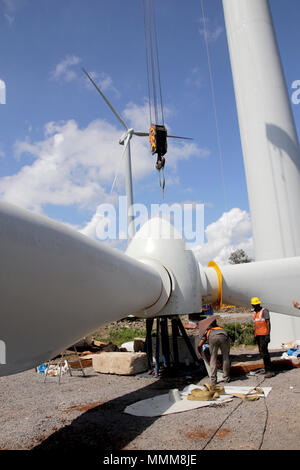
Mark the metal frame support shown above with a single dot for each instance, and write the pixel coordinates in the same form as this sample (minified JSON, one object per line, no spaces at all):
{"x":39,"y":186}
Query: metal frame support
{"x":149,"y":326}
{"x":174,"y":341}
{"x":187,"y":341}
{"x":162,"y":343}
{"x":157,"y":344}
{"x":165,"y":342}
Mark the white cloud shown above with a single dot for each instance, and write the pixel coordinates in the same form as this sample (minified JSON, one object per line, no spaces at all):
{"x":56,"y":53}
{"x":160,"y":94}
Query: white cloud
{"x":95,"y":224}
{"x":230,"y":232}
{"x":137,"y":117}
{"x":76,"y":167}
{"x":103,"y":80}
{"x":71,"y":166}
{"x":212,"y":32}
{"x":65,"y":69}
{"x":10,"y":8}
{"x":194,"y":78}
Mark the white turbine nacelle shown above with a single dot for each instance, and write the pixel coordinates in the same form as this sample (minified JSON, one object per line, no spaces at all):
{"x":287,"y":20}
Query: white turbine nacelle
{"x":124,"y":136}
{"x":158,"y":241}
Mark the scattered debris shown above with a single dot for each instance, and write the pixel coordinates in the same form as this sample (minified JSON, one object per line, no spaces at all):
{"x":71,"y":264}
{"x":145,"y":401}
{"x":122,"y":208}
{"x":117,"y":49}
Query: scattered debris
{"x":55,"y":369}
{"x":292,"y":351}
{"x":291,"y":344}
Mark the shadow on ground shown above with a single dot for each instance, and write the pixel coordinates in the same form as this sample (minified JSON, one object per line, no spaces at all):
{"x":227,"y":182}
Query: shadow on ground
{"x":104,"y":427}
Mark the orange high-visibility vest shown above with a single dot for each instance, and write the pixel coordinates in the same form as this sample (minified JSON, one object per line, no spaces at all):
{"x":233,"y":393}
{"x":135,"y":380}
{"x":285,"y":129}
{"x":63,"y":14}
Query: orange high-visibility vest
{"x":214,"y":328}
{"x":260,"y":324}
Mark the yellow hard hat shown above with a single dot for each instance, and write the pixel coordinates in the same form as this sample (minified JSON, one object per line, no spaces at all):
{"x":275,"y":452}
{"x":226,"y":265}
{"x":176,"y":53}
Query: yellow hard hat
{"x":255,"y":301}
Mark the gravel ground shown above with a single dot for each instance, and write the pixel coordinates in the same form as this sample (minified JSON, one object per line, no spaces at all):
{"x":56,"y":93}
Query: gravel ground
{"x":88,"y":412}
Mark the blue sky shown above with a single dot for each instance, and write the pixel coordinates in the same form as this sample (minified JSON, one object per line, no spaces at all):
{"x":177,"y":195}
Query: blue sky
{"x":59,"y":141}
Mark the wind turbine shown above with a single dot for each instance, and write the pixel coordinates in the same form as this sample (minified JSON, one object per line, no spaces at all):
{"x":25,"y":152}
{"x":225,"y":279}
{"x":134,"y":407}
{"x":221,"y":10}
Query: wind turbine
{"x":58,"y":285}
{"x":125,"y":140}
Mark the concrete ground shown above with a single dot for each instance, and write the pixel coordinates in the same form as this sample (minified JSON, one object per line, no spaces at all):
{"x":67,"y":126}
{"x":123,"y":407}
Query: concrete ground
{"x":87,"y":413}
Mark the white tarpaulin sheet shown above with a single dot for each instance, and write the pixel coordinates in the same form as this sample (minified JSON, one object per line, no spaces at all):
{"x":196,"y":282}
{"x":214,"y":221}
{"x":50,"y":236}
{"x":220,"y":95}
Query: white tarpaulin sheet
{"x":177,"y":402}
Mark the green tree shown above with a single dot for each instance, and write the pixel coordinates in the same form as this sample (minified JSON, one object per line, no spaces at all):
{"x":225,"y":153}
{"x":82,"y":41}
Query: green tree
{"x":239,"y":256}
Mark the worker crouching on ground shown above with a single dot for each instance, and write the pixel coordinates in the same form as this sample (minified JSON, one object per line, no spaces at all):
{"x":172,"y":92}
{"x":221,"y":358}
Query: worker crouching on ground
{"x":217,"y":338}
{"x":262,"y":329}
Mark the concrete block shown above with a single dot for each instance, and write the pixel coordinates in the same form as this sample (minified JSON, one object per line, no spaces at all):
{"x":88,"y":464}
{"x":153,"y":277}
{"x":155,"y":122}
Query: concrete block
{"x":121,"y":363}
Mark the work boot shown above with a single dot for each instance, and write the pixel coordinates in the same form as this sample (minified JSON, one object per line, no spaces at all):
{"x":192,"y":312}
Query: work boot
{"x":269,"y":374}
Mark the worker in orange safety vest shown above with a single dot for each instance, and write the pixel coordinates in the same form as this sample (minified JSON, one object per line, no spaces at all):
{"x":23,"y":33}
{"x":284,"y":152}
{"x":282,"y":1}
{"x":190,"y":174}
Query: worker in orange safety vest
{"x":217,"y":338}
{"x":262,"y":329}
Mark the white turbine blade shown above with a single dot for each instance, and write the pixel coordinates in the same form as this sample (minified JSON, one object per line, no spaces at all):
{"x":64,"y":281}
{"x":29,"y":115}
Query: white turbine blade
{"x":106,"y":100}
{"x":178,"y":137}
{"x":120,"y":161}
{"x":58,"y":285}
{"x":274,"y":282}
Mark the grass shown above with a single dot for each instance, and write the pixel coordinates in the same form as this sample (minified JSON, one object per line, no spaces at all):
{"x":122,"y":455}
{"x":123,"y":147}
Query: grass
{"x":240,"y":333}
{"x":121,"y":335}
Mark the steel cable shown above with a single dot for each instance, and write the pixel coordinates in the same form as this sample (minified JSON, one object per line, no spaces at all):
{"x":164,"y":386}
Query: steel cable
{"x":214,"y":104}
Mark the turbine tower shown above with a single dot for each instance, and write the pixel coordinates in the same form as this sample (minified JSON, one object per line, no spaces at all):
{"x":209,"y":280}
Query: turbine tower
{"x":269,"y":140}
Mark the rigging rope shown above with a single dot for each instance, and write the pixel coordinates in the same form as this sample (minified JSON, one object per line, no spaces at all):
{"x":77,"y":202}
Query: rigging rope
{"x":157,"y":61}
{"x":158,"y":133}
{"x":214,"y":104}
{"x":147,"y":62}
{"x":152,"y":64}
{"x":151,"y":43}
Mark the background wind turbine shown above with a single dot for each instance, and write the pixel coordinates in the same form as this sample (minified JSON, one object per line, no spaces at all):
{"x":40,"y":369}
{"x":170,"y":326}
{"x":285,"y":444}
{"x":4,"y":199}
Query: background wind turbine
{"x":125,"y":140}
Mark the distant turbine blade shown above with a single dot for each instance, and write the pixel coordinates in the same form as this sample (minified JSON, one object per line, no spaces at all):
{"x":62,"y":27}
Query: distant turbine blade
{"x":142,"y":134}
{"x":105,"y":99}
{"x":145,"y":134}
{"x":177,"y":137}
{"x":121,"y":159}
